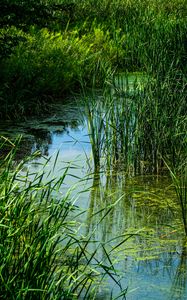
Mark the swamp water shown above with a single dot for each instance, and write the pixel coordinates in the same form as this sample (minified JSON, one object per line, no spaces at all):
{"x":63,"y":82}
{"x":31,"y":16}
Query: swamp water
{"x":137,"y":213}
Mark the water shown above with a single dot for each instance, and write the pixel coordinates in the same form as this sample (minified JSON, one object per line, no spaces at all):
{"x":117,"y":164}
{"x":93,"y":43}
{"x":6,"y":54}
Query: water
{"x":151,"y":255}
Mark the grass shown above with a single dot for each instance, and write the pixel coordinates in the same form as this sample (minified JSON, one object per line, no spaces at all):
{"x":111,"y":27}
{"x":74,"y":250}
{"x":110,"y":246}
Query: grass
{"x":137,"y":121}
{"x":40,"y":64}
{"x":42,"y":253}
{"x":130,"y":127}
{"x":179,"y":179}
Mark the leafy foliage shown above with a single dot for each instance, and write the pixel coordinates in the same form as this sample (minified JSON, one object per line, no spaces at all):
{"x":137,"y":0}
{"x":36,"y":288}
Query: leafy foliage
{"x":48,"y":47}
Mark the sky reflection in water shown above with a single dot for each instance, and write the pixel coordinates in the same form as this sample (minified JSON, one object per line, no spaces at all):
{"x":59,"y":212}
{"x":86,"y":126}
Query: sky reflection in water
{"x":153,"y":262}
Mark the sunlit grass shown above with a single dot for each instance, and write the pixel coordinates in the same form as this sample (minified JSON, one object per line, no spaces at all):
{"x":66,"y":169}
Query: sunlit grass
{"x":136,"y":123}
{"x":42,"y":253}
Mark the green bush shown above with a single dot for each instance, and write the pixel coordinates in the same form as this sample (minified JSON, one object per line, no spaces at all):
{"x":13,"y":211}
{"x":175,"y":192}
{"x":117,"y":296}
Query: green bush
{"x":100,"y":37}
{"x":48,"y":65}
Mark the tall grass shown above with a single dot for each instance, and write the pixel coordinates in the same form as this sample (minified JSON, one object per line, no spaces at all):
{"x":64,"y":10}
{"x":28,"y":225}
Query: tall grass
{"x":179,"y":179}
{"x":42,"y":253}
{"x":137,"y":126}
{"x":137,"y":123}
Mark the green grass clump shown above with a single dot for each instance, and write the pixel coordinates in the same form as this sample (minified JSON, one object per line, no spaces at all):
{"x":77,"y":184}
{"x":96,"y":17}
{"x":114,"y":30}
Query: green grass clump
{"x":42,"y":253}
{"x":138,"y":121}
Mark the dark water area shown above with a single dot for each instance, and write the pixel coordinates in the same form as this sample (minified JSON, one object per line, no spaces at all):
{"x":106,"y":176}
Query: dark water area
{"x":138,"y":213}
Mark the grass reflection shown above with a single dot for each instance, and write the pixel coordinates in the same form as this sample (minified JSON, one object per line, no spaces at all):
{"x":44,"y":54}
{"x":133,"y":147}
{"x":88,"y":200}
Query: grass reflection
{"x":141,"y":230}
{"x":179,"y":280}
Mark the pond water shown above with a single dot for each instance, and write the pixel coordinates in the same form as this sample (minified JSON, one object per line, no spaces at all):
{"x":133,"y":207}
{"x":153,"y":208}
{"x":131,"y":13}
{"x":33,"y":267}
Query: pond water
{"x":151,"y":256}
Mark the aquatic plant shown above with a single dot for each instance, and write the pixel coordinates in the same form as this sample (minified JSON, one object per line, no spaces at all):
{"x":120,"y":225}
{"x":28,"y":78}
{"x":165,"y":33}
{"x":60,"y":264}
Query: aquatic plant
{"x":179,"y":178}
{"x":42,"y":253}
{"x":130,"y":125}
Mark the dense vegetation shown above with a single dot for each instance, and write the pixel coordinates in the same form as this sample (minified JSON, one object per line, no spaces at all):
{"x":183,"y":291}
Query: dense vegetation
{"x":50,"y":49}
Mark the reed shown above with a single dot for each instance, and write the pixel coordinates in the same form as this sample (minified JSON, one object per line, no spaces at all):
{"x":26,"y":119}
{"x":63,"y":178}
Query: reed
{"x":138,"y":121}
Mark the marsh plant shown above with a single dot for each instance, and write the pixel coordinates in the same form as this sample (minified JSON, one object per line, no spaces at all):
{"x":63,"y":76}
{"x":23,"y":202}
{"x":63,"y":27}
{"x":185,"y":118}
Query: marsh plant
{"x":179,"y":179}
{"x":42,"y":253}
{"x":135,"y":123}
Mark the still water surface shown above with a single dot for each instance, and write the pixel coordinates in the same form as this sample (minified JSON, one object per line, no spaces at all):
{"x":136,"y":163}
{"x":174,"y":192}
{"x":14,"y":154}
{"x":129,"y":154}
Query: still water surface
{"x":153,"y":259}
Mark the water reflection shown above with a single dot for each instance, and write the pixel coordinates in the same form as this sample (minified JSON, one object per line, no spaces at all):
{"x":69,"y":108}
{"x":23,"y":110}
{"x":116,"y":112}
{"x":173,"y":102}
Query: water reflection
{"x":148,"y":252}
{"x":179,"y":280}
{"x":140,"y":211}
{"x":39,"y":134}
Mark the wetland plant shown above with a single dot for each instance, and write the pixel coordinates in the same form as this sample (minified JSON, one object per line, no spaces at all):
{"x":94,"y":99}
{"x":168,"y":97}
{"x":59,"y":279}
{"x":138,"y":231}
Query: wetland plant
{"x":179,"y":179}
{"x":137,"y":121}
{"x":42,"y":253}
